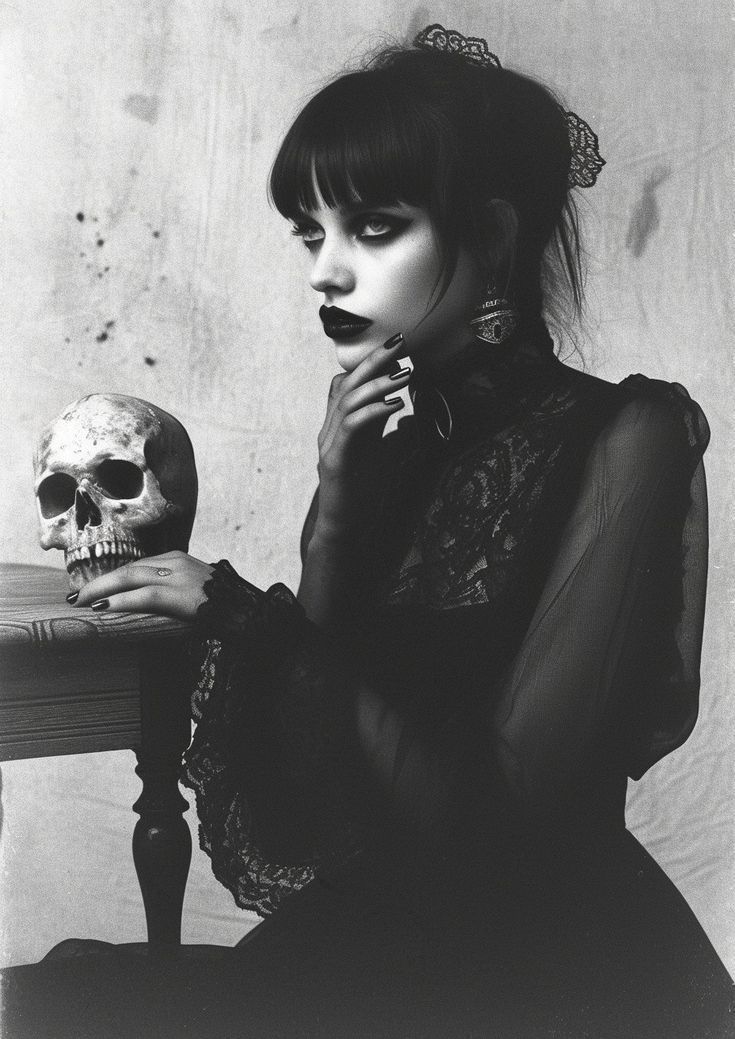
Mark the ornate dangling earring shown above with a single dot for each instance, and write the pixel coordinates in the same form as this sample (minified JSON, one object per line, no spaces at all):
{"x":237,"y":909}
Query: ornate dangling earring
{"x":496,"y":319}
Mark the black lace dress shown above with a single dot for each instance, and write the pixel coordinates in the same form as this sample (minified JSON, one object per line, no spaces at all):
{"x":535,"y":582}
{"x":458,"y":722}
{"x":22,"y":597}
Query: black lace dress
{"x":429,"y":807}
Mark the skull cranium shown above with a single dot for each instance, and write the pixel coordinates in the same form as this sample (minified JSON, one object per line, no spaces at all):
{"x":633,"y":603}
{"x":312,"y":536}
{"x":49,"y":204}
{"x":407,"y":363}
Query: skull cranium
{"x":115,"y":480}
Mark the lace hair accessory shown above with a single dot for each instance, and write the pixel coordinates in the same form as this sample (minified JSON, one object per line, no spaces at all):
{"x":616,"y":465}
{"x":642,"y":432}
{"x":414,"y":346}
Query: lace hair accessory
{"x":586,"y":161}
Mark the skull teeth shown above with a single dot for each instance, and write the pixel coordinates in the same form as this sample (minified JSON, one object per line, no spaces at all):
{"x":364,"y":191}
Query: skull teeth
{"x":124,"y":550}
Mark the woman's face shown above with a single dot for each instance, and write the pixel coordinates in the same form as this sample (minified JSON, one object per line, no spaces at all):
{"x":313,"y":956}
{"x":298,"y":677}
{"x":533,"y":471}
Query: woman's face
{"x":378,"y":268}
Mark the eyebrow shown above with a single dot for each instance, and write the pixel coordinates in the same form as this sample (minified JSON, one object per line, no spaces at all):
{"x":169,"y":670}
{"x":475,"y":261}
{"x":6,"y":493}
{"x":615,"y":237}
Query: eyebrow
{"x":354,"y":208}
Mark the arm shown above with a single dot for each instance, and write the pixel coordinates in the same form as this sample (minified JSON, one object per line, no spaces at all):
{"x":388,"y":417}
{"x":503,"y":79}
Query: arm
{"x":324,"y":590}
{"x":607,"y":672}
{"x":611,"y":657}
{"x":358,"y":407}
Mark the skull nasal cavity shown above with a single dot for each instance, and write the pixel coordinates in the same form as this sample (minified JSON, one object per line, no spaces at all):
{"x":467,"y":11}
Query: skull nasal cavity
{"x":87,"y":512}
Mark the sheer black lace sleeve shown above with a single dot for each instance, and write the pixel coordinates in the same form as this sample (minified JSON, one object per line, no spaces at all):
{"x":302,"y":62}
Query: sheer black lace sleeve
{"x":609,"y":667}
{"x":271,"y":727}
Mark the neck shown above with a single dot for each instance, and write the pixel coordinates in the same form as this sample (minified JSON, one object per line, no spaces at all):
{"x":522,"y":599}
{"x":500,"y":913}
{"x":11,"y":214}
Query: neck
{"x":530,"y":330}
{"x":433,"y":356}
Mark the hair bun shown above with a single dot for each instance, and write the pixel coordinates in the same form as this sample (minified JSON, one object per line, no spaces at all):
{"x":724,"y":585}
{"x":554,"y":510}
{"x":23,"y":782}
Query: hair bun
{"x":585,"y":162}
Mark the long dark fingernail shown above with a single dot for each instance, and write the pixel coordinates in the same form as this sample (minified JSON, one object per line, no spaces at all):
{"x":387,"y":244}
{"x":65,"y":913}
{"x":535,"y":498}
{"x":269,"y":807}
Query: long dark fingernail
{"x":72,"y":598}
{"x":394,"y":341}
{"x":100,"y":605}
{"x":392,"y":400}
{"x":399,"y":374}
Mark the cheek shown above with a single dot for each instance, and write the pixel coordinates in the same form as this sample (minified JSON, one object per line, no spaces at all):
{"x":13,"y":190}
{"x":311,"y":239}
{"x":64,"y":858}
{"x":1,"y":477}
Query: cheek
{"x":410,"y":281}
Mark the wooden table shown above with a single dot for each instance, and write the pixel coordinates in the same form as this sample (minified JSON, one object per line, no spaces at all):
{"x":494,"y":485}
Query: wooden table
{"x":74,"y":682}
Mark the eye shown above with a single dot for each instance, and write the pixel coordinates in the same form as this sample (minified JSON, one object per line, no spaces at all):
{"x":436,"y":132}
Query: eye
{"x":310,"y":234}
{"x":56,"y":494}
{"x":380,"y":225}
{"x":377,"y":226}
{"x":117,"y":478}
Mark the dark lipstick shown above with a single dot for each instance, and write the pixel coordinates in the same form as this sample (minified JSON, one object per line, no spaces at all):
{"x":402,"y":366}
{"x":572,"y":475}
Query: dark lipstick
{"x":341,"y":324}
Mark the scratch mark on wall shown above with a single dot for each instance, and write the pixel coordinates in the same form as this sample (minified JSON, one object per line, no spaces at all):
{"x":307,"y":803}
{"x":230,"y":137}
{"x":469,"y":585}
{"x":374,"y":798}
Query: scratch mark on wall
{"x":645,"y":218}
{"x":142,"y":106}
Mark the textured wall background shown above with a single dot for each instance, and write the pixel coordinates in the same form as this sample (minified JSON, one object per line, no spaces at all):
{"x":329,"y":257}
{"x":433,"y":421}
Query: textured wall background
{"x":139,"y":256}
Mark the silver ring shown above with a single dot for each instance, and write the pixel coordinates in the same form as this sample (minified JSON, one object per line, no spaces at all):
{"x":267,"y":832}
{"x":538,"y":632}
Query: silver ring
{"x":163,"y":572}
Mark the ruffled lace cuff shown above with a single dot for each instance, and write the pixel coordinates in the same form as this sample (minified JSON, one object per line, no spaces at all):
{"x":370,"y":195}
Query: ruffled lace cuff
{"x":235,"y":608}
{"x":265,"y":758}
{"x":238,"y":616}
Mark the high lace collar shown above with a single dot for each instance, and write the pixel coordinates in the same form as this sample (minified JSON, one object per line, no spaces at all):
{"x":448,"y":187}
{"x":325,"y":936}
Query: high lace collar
{"x":480,"y":388}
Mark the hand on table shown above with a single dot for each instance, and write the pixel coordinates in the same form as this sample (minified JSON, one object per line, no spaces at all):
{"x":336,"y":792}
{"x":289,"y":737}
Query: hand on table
{"x":171,"y":584}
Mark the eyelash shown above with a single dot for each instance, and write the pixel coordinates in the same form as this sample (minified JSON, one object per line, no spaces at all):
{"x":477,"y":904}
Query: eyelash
{"x":394,"y":225}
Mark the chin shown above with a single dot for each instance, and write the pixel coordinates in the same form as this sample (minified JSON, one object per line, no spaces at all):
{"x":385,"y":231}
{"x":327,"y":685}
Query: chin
{"x":350,"y":355}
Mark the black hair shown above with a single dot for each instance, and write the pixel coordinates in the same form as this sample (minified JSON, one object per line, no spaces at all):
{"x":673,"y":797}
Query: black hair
{"x":430,"y":128}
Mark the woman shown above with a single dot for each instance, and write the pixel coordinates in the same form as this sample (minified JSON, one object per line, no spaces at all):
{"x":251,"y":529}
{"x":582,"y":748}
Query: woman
{"x":417,"y":767}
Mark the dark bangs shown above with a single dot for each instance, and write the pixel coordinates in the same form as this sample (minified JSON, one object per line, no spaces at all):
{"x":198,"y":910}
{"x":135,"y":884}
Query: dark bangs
{"x":356,"y":143}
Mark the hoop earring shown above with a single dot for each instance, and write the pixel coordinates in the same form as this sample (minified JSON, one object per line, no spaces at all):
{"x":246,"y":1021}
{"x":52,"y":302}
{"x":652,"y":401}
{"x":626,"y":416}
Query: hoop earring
{"x":496,"y":319}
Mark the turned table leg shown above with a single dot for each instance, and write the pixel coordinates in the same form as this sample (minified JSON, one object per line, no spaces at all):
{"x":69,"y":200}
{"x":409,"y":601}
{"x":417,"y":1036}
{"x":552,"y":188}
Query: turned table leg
{"x":161,"y":840}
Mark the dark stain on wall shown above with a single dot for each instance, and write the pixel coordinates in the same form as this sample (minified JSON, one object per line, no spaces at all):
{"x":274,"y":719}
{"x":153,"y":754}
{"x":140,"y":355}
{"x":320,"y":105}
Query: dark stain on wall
{"x":646,"y":217}
{"x":142,"y":106}
{"x":104,"y":335}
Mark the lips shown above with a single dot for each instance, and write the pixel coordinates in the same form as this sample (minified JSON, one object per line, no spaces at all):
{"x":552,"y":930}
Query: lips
{"x":341,"y":324}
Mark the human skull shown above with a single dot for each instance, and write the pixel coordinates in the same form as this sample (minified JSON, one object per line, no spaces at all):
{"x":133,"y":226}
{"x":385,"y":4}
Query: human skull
{"x":115,"y":480}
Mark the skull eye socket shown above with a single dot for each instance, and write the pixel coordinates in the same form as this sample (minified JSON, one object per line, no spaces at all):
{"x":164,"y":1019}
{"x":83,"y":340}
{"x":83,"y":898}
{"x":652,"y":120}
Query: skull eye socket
{"x":117,"y":478}
{"x":56,"y":494}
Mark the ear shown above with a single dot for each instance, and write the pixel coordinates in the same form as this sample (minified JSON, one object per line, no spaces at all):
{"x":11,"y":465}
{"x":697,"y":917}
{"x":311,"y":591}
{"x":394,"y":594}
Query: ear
{"x":501,"y":237}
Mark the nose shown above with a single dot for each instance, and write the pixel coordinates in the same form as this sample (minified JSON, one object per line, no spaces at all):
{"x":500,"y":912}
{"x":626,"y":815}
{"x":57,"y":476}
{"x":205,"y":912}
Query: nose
{"x":86,"y":511}
{"x":331,"y":269}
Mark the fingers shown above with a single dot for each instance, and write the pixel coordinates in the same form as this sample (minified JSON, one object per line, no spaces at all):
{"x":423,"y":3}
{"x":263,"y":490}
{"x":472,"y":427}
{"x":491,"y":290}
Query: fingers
{"x":171,"y":583}
{"x":376,"y":362}
{"x":369,"y":382}
{"x":171,"y":600}
{"x":364,"y":417}
{"x":375,"y":390}
{"x":131,"y":575}
{"x":146,"y":599}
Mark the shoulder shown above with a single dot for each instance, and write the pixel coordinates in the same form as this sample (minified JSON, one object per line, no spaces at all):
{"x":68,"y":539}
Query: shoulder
{"x":640,"y":406}
{"x":667,"y":405}
{"x":656,"y":417}
{"x":655,"y":428}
